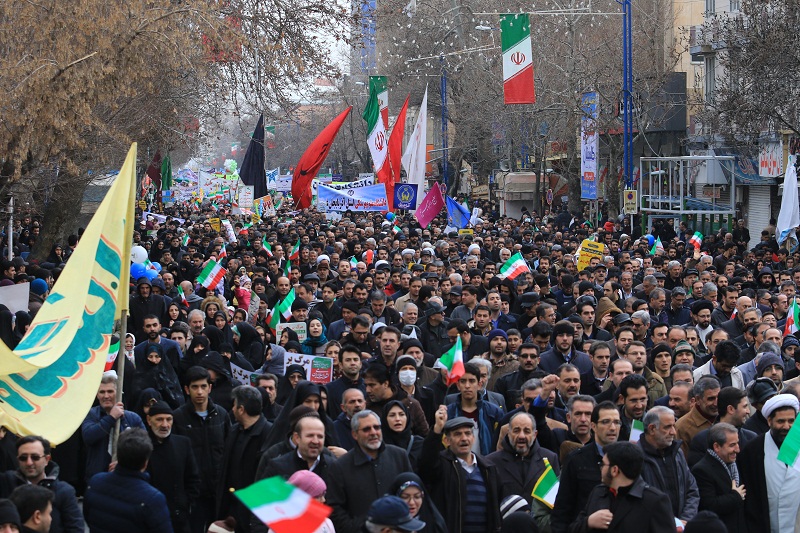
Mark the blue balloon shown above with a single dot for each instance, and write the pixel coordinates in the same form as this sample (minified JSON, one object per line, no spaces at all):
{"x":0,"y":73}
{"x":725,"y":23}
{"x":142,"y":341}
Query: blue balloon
{"x":151,"y":274}
{"x":157,"y":266}
{"x":390,"y":216}
{"x":650,"y":239}
{"x":137,"y":270}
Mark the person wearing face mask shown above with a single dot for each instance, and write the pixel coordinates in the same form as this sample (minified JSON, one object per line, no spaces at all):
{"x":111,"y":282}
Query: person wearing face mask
{"x":409,"y":379}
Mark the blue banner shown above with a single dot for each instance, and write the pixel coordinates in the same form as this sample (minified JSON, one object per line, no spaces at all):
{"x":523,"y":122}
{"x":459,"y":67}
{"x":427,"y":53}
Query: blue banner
{"x":457,"y":215}
{"x":370,"y":198}
{"x":405,"y":196}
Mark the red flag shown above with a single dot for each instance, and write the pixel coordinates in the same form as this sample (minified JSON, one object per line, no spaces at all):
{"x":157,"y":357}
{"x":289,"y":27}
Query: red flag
{"x":154,"y":170}
{"x":395,"y":152}
{"x":312,"y":159}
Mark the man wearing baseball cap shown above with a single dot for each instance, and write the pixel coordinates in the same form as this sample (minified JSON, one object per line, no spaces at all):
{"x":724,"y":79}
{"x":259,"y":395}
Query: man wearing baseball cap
{"x":389,"y":514}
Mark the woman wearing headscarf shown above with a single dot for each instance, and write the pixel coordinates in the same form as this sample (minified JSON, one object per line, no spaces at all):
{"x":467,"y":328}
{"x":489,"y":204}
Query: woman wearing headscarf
{"x":7,"y":326}
{"x":222,"y":323}
{"x":288,"y":335}
{"x":147,"y":397}
{"x":197,"y":351}
{"x":409,"y":487}
{"x":22,"y":321}
{"x":248,"y":342}
{"x":306,"y":393}
{"x":216,"y":337}
{"x":291,"y":377}
{"x":175,"y":313}
{"x":397,"y":430}
{"x":56,"y":255}
{"x":155,"y":371}
{"x":315,"y":337}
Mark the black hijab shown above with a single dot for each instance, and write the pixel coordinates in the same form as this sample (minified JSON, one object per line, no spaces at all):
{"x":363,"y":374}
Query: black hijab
{"x":428,"y":513}
{"x":280,"y":431}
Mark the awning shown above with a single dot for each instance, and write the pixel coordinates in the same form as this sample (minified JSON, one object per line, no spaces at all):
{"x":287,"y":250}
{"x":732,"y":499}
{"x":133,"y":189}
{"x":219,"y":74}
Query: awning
{"x":745,"y":169}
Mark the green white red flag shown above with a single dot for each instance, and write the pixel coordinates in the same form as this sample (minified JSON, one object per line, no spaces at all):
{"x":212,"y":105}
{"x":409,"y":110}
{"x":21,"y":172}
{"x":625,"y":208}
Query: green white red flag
{"x":185,"y":239}
{"x":696,"y":240}
{"x":637,"y":430}
{"x":792,"y":319}
{"x":515,"y":266}
{"x":377,"y":140}
{"x":658,"y":246}
{"x":281,"y":309}
{"x":267,"y":247}
{"x":453,"y":362}
{"x":295,"y":253}
{"x":184,"y":301}
{"x":113,"y":351}
{"x":382,"y":90}
{"x":283,"y":507}
{"x":546,"y":487}
{"x":211,"y":275}
{"x":515,"y":32}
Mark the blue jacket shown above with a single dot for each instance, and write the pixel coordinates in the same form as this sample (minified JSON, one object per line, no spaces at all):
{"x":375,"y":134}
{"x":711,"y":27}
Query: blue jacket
{"x":489,"y":415}
{"x":67,"y":517}
{"x":96,"y":429}
{"x":123,"y":501}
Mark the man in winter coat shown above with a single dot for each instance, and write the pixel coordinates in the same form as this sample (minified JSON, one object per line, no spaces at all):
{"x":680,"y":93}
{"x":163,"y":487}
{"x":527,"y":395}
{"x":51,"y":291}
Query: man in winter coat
{"x":36,"y":468}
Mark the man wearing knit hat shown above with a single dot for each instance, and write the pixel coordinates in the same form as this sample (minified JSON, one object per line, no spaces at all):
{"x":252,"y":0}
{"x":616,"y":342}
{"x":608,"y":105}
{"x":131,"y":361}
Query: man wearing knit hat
{"x":9,"y":517}
{"x":773,"y":487}
{"x":172,"y":466}
{"x":502,"y":363}
{"x":563,"y":351}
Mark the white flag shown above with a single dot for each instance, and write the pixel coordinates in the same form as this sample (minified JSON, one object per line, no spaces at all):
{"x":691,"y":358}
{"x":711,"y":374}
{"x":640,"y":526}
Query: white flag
{"x":414,"y":157}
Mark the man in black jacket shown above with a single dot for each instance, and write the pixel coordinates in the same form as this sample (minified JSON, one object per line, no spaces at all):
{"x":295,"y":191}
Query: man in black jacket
{"x":363,"y":474}
{"x":464,"y":485}
{"x":243,"y":449}
{"x":510,"y":384}
{"x":637,"y":507}
{"x":172,"y":466}
{"x":718,"y":478}
{"x":206,"y":425}
{"x":580,"y":473}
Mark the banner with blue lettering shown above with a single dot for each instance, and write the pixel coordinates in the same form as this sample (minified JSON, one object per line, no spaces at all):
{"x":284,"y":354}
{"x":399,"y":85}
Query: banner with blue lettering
{"x":370,"y":198}
{"x":405,"y":196}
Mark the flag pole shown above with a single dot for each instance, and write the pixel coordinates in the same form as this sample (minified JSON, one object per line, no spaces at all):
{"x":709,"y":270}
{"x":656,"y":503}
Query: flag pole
{"x":123,"y":331}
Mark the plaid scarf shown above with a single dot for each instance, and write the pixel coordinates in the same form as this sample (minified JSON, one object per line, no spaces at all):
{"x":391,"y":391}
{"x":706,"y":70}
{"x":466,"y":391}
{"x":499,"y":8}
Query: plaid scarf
{"x":732,"y":469}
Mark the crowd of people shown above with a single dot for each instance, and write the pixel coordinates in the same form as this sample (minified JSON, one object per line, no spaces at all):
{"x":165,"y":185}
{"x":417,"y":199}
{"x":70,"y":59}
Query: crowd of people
{"x":658,"y":387}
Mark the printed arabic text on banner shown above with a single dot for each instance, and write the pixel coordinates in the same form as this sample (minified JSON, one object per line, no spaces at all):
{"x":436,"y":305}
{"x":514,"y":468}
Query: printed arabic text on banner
{"x":371,"y":198}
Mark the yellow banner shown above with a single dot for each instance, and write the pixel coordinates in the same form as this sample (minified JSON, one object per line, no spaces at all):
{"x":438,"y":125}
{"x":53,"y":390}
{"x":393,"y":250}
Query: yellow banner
{"x":589,"y":249}
{"x":48,"y":384}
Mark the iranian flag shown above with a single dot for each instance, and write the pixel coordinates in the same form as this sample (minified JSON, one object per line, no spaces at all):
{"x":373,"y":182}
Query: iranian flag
{"x":382,"y":90}
{"x":637,"y":430}
{"x":295,"y":253}
{"x":790,"y":449}
{"x":453,"y":362}
{"x":282,"y":309}
{"x":185,"y":240}
{"x":283,"y":507}
{"x":546,"y":487}
{"x":223,"y":253}
{"x":792,"y":319}
{"x":376,"y":130}
{"x":515,"y":266}
{"x":184,"y":301}
{"x":113,"y":351}
{"x":149,"y":265}
{"x":657,"y":247}
{"x":353,"y":262}
{"x":266,"y":246}
{"x":211,"y":275}
{"x":515,"y":31}
{"x":696,"y":240}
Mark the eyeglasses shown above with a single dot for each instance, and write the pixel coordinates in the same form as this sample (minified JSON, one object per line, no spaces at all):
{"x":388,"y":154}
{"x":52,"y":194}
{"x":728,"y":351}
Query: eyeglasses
{"x":33,"y":457}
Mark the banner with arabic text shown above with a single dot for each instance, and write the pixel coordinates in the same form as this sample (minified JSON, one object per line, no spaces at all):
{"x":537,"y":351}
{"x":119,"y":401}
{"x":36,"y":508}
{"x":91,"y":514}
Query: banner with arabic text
{"x":370,"y":198}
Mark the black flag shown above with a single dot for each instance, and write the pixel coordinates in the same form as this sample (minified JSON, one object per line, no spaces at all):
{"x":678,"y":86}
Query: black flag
{"x":252,"y":171}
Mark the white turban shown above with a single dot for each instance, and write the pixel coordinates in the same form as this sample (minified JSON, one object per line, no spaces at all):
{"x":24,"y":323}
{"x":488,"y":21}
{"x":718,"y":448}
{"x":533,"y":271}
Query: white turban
{"x":779,"y":401}
{"x":407,"y":251}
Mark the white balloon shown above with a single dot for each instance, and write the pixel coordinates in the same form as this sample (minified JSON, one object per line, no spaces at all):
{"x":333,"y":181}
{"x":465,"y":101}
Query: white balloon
{"x":138,"y":254}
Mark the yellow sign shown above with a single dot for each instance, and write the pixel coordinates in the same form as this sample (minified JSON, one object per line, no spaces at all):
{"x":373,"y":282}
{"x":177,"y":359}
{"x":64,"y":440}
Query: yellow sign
{"x":215,"y":223}
{"x":631,"y":203}
{"x":466,"y":232}
{"x":588,"y":250}
{"x":142,"y":205}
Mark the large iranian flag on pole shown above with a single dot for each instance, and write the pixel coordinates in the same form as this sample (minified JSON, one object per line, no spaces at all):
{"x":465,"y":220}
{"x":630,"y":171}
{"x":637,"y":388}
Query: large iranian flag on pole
{"x":515,"y":30}
{"x":515,"y":266}
{"x":283,"y":507}
{"x":453,"y":362}
{"x":376,"y":130}
{"x":381,"y":88}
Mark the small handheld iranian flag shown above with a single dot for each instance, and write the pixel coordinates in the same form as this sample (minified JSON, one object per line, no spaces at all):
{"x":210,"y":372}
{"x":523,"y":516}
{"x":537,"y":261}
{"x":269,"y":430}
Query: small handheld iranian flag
{"x":211,"y":275}
{"x":184,"y":301}
{"x":515,"y":266}
{"x":283,"y":507}
{"x":376,"y":130}
{"x":637,"y":430}
{"x":792,"y":319}
{"x":546,"y":487}
{"x":515,"y":32}
{"x":353,"y":262}
{"x":149,"y":265}
{"x":696,"y":240}
{"x":185,"y":240}
{"x":453,"y":362}
{"x":282,"y":309}
{"x":113,"y":351}
{"x":790,"y":449}
{"x":295,"y":253}
{"x":657,"y":247}
{"x":223,"y":253}
{"x":267,"y":247}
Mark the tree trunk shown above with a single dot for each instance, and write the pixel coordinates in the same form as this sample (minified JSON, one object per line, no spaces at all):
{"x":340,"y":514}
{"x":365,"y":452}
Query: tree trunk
{"x":612,"y":181}
{"x":61,"y":215}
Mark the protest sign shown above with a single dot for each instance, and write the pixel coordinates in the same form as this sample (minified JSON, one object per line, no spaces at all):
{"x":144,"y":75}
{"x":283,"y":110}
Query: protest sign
{"x":369,"y":198}
{"x":15,"y":297}
{"x":589,"y":249}
{"x":243,"y":376}
{"x":297,"y":327}
{"x":319,"y":369}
